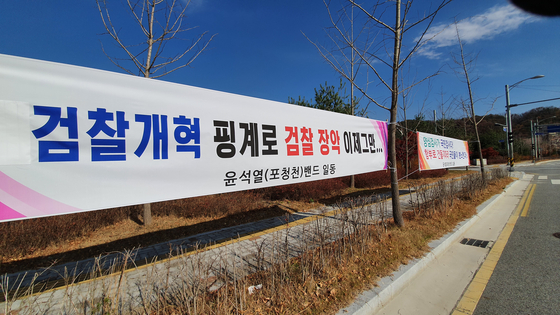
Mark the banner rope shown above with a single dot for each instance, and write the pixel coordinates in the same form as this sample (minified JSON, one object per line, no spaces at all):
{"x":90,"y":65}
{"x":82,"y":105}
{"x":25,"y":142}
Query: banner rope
{"x":409,"y":174}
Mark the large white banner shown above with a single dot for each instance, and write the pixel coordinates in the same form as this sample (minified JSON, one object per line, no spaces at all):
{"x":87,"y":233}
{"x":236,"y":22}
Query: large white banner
{"x":436,"y":152}
{"x":75,"y":139}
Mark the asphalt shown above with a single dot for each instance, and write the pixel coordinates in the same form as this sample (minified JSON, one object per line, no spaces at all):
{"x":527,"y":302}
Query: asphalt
{"x":526,"y":277}
{"x":444,"y":272}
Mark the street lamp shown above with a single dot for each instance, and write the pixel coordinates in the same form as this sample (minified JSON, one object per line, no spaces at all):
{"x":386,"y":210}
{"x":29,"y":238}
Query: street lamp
{"x":508,"y":122}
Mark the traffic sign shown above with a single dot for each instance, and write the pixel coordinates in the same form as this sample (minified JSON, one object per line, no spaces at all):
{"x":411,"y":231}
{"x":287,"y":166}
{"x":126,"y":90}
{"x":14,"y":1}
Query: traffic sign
{"x":553,"y":128}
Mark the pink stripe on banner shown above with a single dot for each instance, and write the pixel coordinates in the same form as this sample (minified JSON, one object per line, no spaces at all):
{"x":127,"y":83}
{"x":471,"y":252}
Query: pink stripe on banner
{"x":43,"y":204}
{"x":7,"y":213}
{"x":382,"y":126}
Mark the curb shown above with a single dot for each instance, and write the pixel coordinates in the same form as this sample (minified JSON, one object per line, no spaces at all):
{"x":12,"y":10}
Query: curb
{"x":372,"y":300}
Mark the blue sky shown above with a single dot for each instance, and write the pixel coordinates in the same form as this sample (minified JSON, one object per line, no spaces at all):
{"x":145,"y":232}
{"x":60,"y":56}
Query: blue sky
{"x":259,"y":49}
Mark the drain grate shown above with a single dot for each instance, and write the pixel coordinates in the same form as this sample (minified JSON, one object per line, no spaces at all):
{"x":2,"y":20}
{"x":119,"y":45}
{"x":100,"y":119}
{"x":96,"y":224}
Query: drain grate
{"x":475,"y":242}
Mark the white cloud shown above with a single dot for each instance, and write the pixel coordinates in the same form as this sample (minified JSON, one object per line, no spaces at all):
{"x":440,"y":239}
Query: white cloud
{"x":194,"y":5}
{"x":484,"y":26}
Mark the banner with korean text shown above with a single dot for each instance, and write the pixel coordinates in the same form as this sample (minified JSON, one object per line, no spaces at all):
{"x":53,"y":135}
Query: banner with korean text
{"x":75,"y":139}
{"x":436,"y":152}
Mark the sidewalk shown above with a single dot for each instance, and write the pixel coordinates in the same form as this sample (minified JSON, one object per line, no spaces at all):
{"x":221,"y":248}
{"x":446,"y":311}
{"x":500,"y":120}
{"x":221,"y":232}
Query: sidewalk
{"x":435,"y":283}
{"x":235,"y":251}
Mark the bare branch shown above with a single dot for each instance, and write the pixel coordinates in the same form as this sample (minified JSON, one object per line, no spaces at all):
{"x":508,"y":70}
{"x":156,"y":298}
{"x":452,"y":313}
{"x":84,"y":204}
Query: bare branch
{"x":488,"y":111}
{"x":114,"y":61}
{"x":350,"y":43}
{"x":421,"y":81}
{"x":372,"y":17}
{"x":160,"y":21}
{"x":341,"y":71}
{"x":370,"y":54}
{"x":465,"y":70}
{"x":430,"y":16}
{"x":139,"y":19}
{"x":177,"y":58}
{"x":421,"y":41}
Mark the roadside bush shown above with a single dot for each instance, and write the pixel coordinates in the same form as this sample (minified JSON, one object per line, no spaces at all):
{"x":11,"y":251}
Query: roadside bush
{"x":21,"y":237}
{"x":18,"y":238}
{"x":440,"y":196}
{"x":498,"y":159}
{"x":373,"y":179}
{"x":306,"y":191}
{"x":429,"y":174}
{"x":519,"y":158}
{"x":210,"y":206}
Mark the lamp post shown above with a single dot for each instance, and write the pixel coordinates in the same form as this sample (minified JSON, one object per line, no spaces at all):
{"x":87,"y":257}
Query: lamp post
{"x":508,"y":122}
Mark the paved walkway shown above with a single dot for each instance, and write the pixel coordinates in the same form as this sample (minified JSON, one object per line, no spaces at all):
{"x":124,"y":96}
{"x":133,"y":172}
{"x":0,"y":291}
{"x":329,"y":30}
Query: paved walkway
{"x":233,"y":252}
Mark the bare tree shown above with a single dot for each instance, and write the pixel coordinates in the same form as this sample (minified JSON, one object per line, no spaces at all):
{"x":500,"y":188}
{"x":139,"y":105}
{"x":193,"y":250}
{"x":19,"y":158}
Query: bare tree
{"x":465,"y":66}
{"x":385,"y":51}
{"x":160,"y":22}
{"x":407,"y":101}
{"x":342,"y":54}
{"x":447,"y":109}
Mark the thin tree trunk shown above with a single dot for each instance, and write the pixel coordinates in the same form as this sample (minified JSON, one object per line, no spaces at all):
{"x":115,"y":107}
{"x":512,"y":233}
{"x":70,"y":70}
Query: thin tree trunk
{"x":148,"y":207}
{"x":352,"y":181}
{"x":406,"y":168}
{"x":147,"y":214}
{"x":368,"y":57}
{"x":147,"y":70}
{"x":478,"y":145}
{"x":397,"y":212}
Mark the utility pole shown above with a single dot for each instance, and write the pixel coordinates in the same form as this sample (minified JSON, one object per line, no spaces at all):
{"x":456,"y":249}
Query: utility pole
{"x":509,"y":131}
{"x":508,"y":116}
{"x":537,"y":127}
{"x":532,"y":142}
{"x":537,"y":133}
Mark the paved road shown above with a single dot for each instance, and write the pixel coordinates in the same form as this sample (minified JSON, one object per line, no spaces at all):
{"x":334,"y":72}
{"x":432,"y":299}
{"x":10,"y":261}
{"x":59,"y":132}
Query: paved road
{"x":527,"y":277}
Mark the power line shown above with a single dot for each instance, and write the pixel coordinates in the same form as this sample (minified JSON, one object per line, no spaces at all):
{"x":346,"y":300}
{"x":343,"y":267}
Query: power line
{"x":536,"y":89}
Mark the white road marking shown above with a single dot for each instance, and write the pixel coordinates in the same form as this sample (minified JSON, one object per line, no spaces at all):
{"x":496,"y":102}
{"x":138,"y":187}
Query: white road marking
{"x":543,"y":177}
{"x":555,"y":181}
